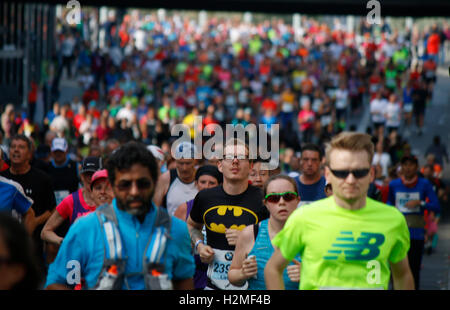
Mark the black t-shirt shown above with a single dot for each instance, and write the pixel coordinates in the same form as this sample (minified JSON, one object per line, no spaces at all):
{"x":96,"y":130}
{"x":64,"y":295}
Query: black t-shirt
{"x":65,"y":181}
{"x":38,"y":186}
{"x":64,"y":177}
{"x":219,"y":211}
{"x":419,"y":97}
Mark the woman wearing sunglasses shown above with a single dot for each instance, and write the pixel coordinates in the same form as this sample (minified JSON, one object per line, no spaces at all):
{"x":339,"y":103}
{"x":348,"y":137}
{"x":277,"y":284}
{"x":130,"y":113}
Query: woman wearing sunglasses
{"x":254,"y":247}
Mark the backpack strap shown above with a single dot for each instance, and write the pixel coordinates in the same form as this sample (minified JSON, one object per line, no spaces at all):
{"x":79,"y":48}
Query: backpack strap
{"x":112,"y":251}
{"x":156,"y":245}
{"x":110,"y":226}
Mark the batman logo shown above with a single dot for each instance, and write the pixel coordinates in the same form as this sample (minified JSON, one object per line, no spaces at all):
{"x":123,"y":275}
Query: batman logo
{"x":220,"y":218}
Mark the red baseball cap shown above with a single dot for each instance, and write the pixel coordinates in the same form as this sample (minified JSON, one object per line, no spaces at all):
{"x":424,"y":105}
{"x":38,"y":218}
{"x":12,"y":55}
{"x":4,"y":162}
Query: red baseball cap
{"x":100,"y":174}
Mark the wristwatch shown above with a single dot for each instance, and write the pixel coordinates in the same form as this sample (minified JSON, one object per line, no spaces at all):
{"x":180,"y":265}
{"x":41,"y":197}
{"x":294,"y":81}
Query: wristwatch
{"x":196,"y":244}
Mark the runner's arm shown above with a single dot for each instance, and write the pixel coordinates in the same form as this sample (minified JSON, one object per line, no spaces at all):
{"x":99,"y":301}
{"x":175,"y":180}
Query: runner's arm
{"x":29,"y":220}
{"x":48,"y":232}
{"x":273,"y":272}
{"x":58,"y":287}
{"x":205,"y":252}
{"x":41,"y":219}
{"x":195,"y":230}
{"x":186,"y":284}
{"x":161,"y":188}
{"x":242,"y":269}
{"x":402,"y":276}
{"x":433,"y":202}
{"x":180,"y":212}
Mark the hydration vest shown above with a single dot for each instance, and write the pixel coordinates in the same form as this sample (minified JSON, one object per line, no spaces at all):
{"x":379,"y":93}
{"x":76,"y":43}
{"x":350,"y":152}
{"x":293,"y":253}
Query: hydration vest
{"x":154,"y":254}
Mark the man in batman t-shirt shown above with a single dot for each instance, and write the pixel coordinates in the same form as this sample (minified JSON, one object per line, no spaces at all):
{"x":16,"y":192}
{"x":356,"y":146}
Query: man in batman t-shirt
{"x":224,"y":211}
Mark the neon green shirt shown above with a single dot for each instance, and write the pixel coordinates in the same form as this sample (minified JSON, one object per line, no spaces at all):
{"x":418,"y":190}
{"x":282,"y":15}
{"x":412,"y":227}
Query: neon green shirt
{"x":344,"y":249}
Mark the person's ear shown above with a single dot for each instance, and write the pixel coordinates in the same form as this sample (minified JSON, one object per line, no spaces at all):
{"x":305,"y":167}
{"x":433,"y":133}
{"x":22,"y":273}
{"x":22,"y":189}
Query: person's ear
{"x":372,"y":174}
{"x":327,"y":174}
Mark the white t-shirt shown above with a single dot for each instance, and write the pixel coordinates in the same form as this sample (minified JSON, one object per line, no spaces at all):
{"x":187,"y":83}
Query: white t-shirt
{"x":384,"y":159}
{"x":67,"y":47}
{"x":341,"y":98}
{"x":125,"y":113}
{"x":59,"y":124}
{"x":393,"y":114}
{"x":377,"y":110}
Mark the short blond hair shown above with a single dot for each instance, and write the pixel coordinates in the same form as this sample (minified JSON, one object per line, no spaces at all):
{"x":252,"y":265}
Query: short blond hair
{"x":350,"y":141}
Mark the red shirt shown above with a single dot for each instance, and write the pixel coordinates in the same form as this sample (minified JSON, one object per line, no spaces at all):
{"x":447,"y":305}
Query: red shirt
{"x":116,"y":92}
{"x":433,"y":44}
{"x":32,"y":96}
{"x":269,"y":104}
{"x":95,"y":113}
{"x":102,"y":132}
{"x":307,"y":118}
{"x":90,"y":95}
{"x":78,"y":120}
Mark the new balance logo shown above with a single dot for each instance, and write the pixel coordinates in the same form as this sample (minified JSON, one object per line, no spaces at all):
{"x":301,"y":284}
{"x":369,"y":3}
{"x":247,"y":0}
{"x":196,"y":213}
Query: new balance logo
{"x":366,"y":247}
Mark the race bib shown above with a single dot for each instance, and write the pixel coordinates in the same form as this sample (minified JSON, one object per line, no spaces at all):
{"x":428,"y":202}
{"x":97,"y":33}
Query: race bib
{"x":218,"y":270}
{"x":60,"y":195}
{"x":325,"y":120}
{"x":402,"y":198}
{"x":287,"y":107}
{"x":408,"y":107}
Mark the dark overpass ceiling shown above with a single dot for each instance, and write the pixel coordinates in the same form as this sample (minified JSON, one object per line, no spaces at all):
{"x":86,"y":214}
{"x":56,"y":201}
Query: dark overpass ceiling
{"x":418,"y":8}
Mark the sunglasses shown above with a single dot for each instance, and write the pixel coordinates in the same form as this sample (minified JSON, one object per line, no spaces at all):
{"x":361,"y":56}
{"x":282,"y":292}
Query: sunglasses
{"x":357,"y":173}
{"x":230,"y":157}
{"x":141,"y":184}
{"x":275,"y":197}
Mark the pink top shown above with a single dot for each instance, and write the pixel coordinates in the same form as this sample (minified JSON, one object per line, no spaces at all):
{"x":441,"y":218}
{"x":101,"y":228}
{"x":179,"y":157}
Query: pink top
{"x":65,"y":208}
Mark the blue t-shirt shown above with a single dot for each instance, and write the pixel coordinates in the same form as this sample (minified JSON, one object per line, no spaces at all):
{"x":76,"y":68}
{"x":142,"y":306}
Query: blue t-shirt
{"x":13,"y":197}
{"x":311,"y":193}
{"x":399,"y":194}
{"x":84,"y":245}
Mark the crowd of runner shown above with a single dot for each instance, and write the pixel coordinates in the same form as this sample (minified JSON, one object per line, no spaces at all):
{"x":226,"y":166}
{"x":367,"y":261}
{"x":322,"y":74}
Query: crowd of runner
{"x":155,"y":74}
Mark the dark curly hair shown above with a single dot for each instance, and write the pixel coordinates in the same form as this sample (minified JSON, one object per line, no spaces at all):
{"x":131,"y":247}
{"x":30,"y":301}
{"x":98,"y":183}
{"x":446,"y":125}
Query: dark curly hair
{"x":129,"y":154}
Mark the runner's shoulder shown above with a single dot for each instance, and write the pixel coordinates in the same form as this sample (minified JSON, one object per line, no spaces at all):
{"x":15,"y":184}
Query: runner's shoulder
{"x":395,"y":182}
{"x":208,"y":192}
{"x":317,"y":206}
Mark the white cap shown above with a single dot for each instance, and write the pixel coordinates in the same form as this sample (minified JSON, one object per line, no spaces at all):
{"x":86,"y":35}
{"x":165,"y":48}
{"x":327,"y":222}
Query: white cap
{"x":59,"y":144}
{"x":185,"y":150}
{"x":156,"y":151}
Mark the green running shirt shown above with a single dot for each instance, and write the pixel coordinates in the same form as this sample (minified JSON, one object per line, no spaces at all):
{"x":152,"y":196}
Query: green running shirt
{"x":344,"y":249}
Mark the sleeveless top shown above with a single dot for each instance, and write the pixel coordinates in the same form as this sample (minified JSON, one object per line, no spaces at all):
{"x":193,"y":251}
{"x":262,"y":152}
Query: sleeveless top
{"x":78,"y":209}
{"x":263,"y":250}
{"x":178,"y":193}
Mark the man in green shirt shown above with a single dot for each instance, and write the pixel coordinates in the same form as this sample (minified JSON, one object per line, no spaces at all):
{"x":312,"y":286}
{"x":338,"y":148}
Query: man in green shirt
{"x":346,"y":241}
